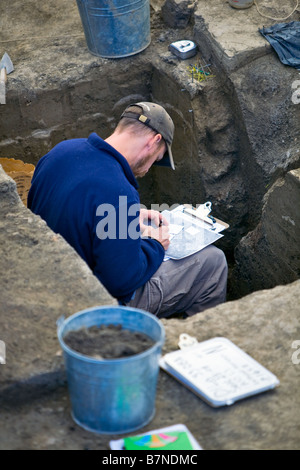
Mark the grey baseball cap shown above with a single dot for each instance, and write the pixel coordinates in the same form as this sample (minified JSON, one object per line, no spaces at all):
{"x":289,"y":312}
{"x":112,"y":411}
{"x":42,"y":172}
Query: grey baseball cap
{"x":156,"y":117}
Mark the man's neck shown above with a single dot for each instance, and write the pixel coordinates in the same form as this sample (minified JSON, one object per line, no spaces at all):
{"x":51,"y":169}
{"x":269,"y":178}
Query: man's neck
{"x":127,"y":145}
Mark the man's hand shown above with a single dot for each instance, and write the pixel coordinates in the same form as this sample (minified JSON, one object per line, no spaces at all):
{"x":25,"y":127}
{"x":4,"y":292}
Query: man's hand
{"x":156,"y":218}
{"x":159,"y":229}
{"x":160,"y":234}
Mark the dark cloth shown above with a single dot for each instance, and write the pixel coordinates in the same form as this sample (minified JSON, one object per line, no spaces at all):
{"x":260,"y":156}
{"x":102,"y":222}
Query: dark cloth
{"x":285,"y":39}
{"x":84,"y":188}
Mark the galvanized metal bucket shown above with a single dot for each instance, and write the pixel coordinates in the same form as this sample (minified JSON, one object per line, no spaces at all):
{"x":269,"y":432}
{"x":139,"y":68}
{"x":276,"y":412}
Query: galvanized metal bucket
{"x":113,"y":396}
{"x":115,"y":28}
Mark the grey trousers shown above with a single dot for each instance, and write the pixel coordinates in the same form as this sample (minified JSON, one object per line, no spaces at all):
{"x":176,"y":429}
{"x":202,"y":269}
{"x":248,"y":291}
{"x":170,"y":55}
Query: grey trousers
{"x":188,"y":285}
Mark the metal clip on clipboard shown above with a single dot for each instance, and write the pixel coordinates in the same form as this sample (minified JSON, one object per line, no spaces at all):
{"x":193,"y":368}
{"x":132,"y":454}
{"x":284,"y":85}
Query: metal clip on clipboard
{"x":202,"y":212}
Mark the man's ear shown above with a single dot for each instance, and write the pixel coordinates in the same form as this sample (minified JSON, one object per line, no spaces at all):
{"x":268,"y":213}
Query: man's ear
{"x":158,"y":138}
{"x":153,"y":140}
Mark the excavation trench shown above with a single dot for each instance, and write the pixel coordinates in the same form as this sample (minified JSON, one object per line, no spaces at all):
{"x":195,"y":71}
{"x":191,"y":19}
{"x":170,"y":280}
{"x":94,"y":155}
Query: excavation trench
{"x":211,"y":147}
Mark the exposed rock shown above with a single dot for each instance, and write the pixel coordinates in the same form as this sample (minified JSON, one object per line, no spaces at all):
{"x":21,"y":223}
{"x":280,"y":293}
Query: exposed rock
{"x":270,"y":254}
{"x":177,"y":13}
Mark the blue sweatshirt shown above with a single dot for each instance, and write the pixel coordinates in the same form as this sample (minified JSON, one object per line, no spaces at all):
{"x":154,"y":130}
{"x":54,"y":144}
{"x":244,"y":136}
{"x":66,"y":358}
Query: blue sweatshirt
{"x":85,"y":190}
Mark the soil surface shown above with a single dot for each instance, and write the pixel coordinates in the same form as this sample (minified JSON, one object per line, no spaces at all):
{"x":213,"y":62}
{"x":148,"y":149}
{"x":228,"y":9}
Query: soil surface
{"x":108,"y":341}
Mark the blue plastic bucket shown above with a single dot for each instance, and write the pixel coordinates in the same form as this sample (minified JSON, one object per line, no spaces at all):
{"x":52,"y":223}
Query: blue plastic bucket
{"x":115,"y":28}
{"x":113,"y":396}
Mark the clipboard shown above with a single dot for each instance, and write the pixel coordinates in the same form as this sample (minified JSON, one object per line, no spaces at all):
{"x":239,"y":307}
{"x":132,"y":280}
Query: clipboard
{"x":218,"y":371}
{"x":192,"y":229}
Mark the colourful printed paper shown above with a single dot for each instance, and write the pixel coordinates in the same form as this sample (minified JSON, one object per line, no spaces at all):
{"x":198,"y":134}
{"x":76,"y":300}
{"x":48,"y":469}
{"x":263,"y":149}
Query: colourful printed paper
{"x":159,"y":441}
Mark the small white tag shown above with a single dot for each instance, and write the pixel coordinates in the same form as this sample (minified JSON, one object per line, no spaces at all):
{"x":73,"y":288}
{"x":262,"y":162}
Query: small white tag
{"x":185,"y":341}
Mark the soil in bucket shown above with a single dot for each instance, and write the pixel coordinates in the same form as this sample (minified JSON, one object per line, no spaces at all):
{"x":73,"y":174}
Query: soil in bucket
{"x":107,"y":342}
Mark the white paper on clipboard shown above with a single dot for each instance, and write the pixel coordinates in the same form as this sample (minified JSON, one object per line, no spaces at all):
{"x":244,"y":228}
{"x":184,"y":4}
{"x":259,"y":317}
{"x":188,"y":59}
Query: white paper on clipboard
{"x":189,"y":234}
{"x":218,"y":371}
